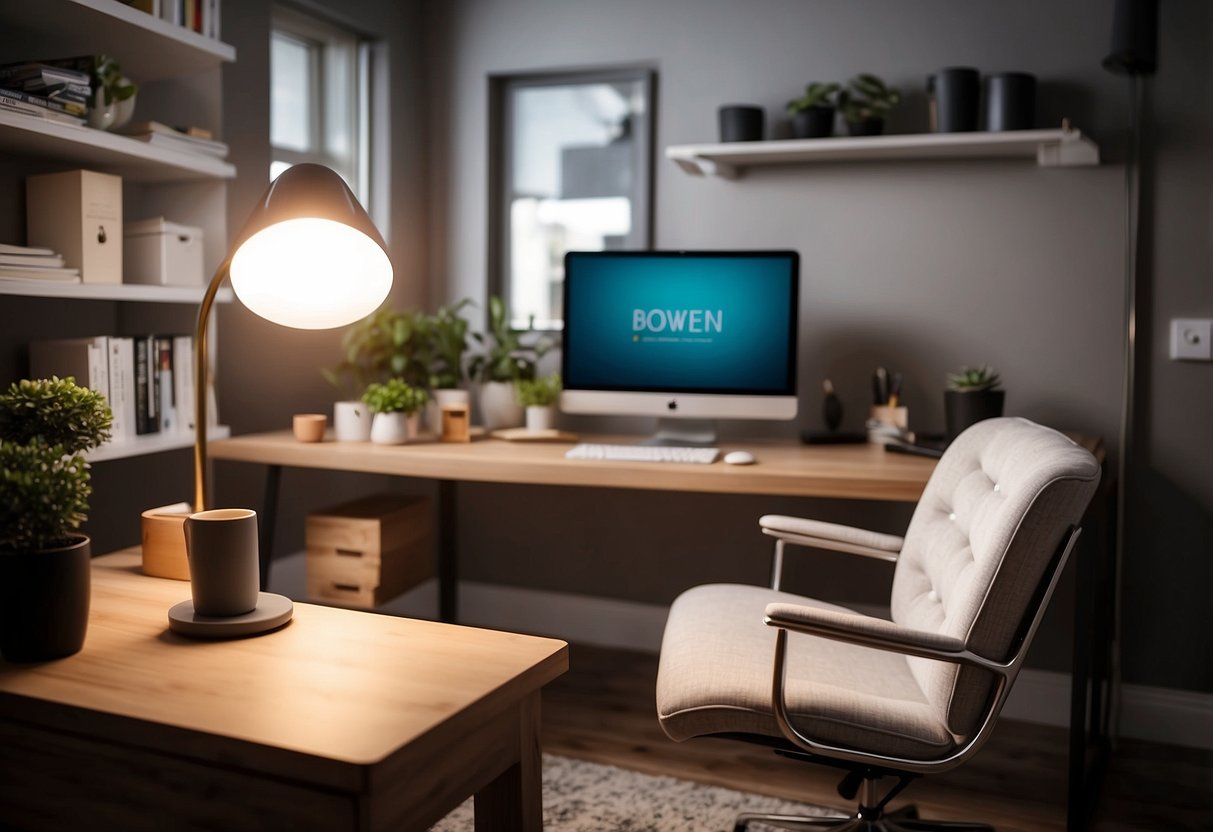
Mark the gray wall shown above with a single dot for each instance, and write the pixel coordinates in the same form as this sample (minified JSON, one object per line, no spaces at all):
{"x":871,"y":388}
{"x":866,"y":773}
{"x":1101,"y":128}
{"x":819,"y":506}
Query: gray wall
{"x":917,"y":266}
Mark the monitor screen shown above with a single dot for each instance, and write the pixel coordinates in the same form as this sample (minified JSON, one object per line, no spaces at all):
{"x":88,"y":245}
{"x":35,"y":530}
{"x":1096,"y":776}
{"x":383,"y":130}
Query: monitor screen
{"x":706,"y":334}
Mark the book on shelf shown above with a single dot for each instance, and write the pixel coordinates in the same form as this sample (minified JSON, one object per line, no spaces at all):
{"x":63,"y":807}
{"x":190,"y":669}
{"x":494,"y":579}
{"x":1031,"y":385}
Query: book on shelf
{"x":11,"y":248}
{"x":50,"y":275}
{"x":161,"y":135}
{"x":37,"y":261}
{"x":201,"y":16}
{"x":68,"y":107}
{"x":39,"y":74}
{"x":11,"y":103}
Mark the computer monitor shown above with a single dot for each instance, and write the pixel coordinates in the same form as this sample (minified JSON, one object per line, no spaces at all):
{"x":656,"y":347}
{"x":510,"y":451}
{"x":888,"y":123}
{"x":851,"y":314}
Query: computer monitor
{"x":681,"y":335}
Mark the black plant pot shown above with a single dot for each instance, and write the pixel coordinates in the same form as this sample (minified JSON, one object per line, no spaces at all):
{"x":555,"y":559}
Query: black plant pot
{"x":867,"y":127}
{"x":44,"y":598}
{"x":957,"y":99}
{"x":964,"y":408}
{"x":741,"y":123}
{"x":813,"y":123}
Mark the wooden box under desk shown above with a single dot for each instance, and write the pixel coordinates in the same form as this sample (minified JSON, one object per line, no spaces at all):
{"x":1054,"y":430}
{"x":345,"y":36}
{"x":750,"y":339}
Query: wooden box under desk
{"x":368,"y":551}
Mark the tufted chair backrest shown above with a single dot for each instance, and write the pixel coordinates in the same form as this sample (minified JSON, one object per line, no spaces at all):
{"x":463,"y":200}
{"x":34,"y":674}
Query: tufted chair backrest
{"x":997,"y":506}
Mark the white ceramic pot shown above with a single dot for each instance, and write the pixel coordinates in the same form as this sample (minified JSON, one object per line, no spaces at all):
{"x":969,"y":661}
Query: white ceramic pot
{"x":390,"y":429}
{"x":439,"y":399}
{"x":499,"y":406}
{"x":540,"y":417}
{"x":352,"y":421}
{"x":111,"y":116}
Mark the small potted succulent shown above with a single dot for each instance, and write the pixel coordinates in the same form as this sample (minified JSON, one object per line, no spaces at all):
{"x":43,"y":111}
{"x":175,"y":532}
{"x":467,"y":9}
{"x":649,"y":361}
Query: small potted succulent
{"x":539,"y":397}
{"x":113,"y":96}
{"x":865,"y":102}
{"x":397,"y":408}
{"x":504,"y":361}
{"x":971,"y":397}
{"x":813,"y":113}
{"x":46,"y":425}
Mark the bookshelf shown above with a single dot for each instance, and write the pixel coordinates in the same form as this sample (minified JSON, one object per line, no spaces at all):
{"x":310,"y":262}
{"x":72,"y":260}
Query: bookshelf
{"x":179,"y":76}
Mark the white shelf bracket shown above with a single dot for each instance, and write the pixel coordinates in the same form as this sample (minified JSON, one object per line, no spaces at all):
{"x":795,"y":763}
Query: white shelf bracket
{"x":1070,"y":152}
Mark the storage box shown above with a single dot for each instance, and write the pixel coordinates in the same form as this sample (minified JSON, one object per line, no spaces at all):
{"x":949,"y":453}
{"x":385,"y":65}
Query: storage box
{"x":368,"y":551}
{"x":163,"y":253}
{"x":78,"y":213}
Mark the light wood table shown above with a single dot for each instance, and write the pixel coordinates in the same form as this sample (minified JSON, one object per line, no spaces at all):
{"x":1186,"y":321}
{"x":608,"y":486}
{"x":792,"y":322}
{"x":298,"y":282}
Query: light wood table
{"x":339,"y":720}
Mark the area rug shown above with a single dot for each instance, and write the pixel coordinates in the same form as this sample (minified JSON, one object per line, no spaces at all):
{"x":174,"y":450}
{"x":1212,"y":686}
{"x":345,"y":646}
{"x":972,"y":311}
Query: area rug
{"x":579,"y":796}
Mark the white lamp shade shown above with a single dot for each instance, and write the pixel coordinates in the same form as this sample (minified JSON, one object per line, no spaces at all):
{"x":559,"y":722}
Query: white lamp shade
{"x":311,"y":273}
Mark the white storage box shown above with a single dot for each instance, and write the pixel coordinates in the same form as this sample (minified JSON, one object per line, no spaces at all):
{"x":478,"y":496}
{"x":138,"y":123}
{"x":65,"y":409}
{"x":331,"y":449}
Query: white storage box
{"x":78,"y":213}
{"x":162,"y":253}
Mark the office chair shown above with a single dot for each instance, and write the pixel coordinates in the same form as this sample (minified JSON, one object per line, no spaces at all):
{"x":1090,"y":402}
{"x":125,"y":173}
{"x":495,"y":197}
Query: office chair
{"x":897,"y":698}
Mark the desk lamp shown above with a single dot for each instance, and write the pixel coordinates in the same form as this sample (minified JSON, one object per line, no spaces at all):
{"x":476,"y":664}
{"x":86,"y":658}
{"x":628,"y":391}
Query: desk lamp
{"x":308,"y":257}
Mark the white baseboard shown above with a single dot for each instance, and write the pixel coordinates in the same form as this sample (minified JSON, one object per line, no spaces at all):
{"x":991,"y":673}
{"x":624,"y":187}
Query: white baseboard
{"x":1175,"y":717}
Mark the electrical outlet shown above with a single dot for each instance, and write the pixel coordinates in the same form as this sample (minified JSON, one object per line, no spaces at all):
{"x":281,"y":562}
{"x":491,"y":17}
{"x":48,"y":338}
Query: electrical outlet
{"x":1191,"y":339}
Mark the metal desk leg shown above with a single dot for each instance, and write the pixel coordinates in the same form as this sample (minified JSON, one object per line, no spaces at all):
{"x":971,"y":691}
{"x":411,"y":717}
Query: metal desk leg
{"x":448,"y":564}
{"x":269,"y":514}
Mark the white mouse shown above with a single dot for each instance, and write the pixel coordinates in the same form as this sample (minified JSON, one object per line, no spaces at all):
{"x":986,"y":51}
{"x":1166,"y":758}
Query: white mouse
{"x":739,"y":458}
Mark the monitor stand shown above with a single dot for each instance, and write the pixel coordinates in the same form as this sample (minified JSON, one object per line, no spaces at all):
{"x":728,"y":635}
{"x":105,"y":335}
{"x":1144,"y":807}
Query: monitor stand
{"x":683,"y":433}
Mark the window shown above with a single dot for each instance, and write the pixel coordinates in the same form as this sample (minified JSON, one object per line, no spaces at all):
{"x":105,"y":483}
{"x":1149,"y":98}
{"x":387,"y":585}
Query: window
{"x":571,"y":171}
{"x":319,"y":98}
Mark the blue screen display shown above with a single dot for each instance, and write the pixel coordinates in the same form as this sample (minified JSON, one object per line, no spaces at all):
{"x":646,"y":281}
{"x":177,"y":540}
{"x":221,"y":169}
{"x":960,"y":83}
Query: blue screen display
{"x":711,"y":322}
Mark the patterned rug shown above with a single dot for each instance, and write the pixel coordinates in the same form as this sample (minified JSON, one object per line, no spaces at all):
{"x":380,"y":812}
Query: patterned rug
{"x":587,"y":797}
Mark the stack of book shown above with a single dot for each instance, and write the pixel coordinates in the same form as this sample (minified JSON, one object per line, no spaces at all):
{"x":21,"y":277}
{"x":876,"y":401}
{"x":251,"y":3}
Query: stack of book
{"x":188,"y":140}
{"x":26,"y":263}
{"x":202,"y":16}
{"x":58,"y":90}
{"x":148,"y":380}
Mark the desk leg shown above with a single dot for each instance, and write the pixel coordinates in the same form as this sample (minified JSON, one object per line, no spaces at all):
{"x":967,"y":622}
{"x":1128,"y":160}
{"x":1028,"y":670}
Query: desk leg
{"x":269,"y":514}
{"x":513,"y":802}
{"x":448,"y":553}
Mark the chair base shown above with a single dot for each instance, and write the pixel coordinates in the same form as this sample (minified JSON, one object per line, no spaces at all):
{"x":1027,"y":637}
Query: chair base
{"x":902,"y":820}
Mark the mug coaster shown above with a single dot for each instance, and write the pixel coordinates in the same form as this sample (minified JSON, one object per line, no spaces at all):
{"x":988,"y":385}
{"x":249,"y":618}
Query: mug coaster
{"x":271,"y":612}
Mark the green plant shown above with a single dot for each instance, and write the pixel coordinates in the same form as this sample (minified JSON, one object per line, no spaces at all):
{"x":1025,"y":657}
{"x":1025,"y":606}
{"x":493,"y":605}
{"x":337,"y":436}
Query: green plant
{"x":387,"y":344}
{"x":538,"y":392}
{"x":867,"y":97}
{"x":816,"y":94}
{"x":109,"y":78}
{"x":973,"y":379}
{"x":448,"y":341}
{"x":394,"y":396}
{"x":46,"y":425}
{"x":505,"y":358}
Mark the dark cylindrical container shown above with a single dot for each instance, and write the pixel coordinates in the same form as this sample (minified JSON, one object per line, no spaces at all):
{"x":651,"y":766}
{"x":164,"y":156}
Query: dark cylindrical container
{"x":957,"y":96}
{"x":741,"y":123}
{"x":964,"y":408}
{"x":44,"y":598}
{"x":813,"y":123}
{"x":1011,"y":101}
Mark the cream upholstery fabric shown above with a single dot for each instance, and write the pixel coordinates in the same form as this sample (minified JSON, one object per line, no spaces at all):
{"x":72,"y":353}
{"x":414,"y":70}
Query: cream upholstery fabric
{"x":817,"y":529}
{"x":997,"y":507}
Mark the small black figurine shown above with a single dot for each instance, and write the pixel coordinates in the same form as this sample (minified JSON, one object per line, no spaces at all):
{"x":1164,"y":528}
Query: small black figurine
{"x":831,"y":412}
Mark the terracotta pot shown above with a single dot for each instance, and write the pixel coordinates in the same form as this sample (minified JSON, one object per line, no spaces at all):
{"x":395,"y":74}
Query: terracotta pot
{"x":44,"y":597}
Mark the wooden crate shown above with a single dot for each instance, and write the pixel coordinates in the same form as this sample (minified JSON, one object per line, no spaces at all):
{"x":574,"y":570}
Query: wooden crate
{"x":365,"y":552}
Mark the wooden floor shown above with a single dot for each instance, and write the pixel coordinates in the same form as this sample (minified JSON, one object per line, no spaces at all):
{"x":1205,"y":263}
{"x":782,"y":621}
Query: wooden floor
{"x":602,"y":710}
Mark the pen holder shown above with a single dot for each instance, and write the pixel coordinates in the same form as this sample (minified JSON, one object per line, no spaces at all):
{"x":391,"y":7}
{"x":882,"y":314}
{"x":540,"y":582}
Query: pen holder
{"x":887,"y":423}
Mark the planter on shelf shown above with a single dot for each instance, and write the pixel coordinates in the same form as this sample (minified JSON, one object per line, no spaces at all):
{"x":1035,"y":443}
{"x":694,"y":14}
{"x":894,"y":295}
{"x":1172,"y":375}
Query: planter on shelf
{"x":972,"y":396}
{"x":957,"y":95}
{"x":1011,"y":102}
{"x":393,"y":428}
{"x":866,"y":127}
{"x":397,"y":407}
{"x":813,"y":123}
{"x":44,"y":600}
{"x":540,"y":417}
{"x":498,"y":407}
{"x":352,"y":421}
{"x":502,"y":359}
{"x":539,"y":396}
{"x":741,"y":123}
{"x":114,"y":99}
{"x":864,"y":103}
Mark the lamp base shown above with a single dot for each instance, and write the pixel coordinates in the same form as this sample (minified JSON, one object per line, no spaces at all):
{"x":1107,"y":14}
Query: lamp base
{"x":271,"y":612}
{"x":164,"y":542}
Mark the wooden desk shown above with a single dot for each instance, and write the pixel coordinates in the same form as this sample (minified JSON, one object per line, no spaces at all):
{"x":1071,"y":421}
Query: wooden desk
{"x":340,"y":720}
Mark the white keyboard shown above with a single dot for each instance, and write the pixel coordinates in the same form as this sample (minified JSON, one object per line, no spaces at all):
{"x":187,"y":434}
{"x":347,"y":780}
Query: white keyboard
{"x":643,"y":453}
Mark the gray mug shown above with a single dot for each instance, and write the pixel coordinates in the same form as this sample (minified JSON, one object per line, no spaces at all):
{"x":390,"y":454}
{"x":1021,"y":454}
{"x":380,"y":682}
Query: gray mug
{"x":221,"y":545}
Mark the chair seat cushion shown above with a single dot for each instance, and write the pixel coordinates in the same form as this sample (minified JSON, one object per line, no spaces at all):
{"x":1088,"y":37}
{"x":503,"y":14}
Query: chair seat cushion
{"x":715,"y":677}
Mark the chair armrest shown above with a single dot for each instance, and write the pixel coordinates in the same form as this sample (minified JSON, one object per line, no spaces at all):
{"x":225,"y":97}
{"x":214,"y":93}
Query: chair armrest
{"x":838,"y":538}
{"x":874,"y":632}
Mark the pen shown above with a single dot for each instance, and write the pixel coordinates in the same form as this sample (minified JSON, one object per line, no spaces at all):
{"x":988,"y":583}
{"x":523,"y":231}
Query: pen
{"x":895,"y":390}
{"x":880,"y":386}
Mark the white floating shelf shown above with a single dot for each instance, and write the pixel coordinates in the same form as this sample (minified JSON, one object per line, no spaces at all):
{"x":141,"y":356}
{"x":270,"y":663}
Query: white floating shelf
{"x":152,"y":443}
{"x":31,"y":135}
{"x":109,"y":291}
{"x":1048,"y":148}
{"x":148,"y":48}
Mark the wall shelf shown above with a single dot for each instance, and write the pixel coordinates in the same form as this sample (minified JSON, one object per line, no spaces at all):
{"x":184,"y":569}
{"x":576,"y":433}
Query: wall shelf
{"x":1065,"y":147}
{"x":152,"y":443}
{"x":131,"y":292}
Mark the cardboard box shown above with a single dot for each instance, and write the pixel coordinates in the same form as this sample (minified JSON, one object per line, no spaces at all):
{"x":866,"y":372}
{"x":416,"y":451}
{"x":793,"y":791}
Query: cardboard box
{"x":78,"y":213}
{"x":365,"y":552}
{"x":162,"y":253}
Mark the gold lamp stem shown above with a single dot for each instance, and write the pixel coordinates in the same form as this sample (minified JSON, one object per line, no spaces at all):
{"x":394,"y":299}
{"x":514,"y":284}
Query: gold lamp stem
{"x":201,"y":366}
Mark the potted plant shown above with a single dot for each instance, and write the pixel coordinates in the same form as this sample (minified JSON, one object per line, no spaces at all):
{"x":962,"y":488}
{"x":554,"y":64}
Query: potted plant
{"x":972,"y":396}
{"x":387,"y":344}
{"x":504,"y":361}
{"x":397,"y":407}
{"x":539,"y":397}
{"x":813,"y":113}
{"x":447,"y":338}
{"x":46,"y":425}
{"x":865,"y":102}
{"x":113,"y":95}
